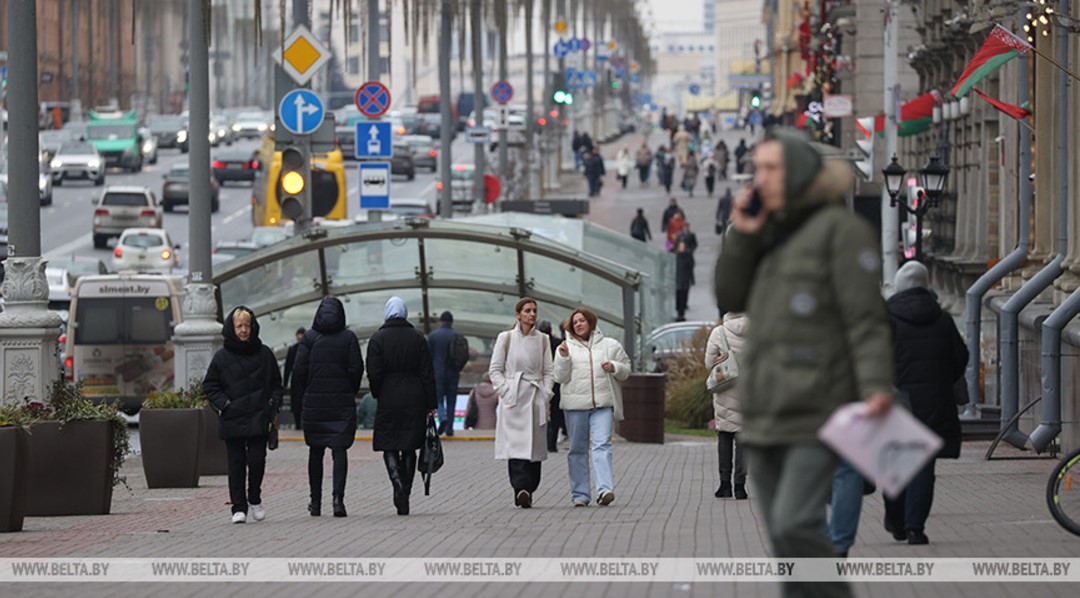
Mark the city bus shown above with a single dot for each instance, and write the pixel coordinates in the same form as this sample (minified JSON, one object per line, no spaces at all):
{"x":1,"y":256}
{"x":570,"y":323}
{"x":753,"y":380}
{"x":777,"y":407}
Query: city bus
{"x":119,"y":338}
{"x":328,"y":190}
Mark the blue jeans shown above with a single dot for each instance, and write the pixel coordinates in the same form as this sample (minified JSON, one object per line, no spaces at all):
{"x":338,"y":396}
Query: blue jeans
{"x":590,"y":432}
{"x":446,"y":396}
{"x":847,"y":493}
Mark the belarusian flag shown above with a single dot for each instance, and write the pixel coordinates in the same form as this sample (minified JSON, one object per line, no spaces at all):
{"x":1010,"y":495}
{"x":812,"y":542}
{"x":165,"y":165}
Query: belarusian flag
{"x":1017,"y":112}
{"x":1000,"y":47}
{"x":916,"y":116}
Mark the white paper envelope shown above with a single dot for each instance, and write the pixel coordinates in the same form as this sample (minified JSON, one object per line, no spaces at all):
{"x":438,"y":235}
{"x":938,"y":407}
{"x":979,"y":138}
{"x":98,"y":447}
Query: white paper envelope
{"x":887,"y":450}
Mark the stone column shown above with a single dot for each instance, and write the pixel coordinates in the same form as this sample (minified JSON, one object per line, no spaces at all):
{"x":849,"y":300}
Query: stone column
{"x":1069,"y":281}
{"x":196,"y":338}
{"x":1045,"y":162}
{"x":28,"y":333}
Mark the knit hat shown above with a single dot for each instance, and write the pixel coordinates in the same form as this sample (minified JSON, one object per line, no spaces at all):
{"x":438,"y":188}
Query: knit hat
{"x":910,"y":276}
{"x":446,"y":316}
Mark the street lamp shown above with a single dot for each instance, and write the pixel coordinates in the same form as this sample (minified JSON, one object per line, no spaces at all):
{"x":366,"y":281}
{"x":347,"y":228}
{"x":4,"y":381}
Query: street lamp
{"x":894,"y":177}
{"x":932,"y":176}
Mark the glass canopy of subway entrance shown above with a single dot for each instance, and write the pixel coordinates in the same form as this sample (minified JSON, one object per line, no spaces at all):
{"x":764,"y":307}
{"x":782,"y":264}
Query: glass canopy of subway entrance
{"x":476,"y":268}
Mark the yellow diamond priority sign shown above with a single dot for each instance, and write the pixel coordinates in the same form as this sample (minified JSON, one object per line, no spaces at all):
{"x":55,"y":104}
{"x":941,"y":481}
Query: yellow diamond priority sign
{"x":302,"y":55}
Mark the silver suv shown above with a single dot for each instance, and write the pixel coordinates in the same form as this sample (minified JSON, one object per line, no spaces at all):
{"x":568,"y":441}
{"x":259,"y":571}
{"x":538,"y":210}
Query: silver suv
{"x":120,"y":208}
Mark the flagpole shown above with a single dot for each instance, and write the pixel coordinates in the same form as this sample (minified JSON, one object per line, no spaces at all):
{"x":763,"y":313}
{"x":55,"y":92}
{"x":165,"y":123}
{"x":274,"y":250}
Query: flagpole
{"x":1055,"y":63}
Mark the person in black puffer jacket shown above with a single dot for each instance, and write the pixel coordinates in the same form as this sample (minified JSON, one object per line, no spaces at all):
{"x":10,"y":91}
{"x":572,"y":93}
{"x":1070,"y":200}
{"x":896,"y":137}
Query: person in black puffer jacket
{"x":930,"y":357}
{"x":326,"y":378}
{"x":243,"y":384}
{"x":403,"y":382}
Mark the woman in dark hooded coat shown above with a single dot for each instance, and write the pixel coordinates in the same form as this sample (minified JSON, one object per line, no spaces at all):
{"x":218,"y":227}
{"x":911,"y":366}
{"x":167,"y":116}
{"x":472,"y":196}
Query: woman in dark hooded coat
{"x":402,"y":380}
{"x":327,"y":377}
{"x":243,"y":384}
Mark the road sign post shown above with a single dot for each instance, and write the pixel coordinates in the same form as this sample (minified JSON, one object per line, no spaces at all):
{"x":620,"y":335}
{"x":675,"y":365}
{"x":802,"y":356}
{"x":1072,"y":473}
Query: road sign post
{"x":374,"y":185}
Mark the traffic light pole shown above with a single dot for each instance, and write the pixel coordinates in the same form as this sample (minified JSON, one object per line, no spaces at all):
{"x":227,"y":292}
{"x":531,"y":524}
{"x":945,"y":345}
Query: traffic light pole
{"x":889,"y":218}
{"x":446,"y":125}
{"x":374,"y":35}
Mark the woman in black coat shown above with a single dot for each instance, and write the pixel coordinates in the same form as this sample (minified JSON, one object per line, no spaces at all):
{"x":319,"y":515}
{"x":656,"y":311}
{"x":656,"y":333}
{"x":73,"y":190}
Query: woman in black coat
{"x":930,"y":357}
{"x":326,"y":378}
{"x":243,"y":384}
{"x":684,"y":277}
{"x":403,"y":382}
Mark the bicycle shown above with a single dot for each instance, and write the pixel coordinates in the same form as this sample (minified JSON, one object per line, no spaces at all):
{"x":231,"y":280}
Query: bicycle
{"x":1061,"y":495}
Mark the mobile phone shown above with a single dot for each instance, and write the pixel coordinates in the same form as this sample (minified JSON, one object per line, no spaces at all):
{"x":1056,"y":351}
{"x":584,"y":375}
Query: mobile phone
{"x":753,"y":208}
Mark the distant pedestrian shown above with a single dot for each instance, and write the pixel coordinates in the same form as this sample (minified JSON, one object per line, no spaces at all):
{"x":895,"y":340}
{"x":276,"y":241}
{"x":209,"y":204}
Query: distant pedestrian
{"x":833,"y":319}
{"x":624,"y":165}
{"x":723,"y":211}
{"x":726,"y":413}
{"x":403,"y":382}
{"x":329,"y":369}
{"x":644,"y":159}
{"x":446,"y":346}
{"x":740,"y":153}
{"x":243,"y":384}
{"x":591,"y":369}
{"x":930,"y":357}
{"x":594,"y":172}
{"x":483,"y":401}
{"x":576,"y":144}
{"x":710,"y":176}
{"x":674,"y":229}
{"x":684,"y":279}
{"x":521,"y":373}
{"x":687,"y":236}
{"x":690,"y":173}
{"x":296,"y":404}
{"x":639,"y":227}
{"x":669,"y":212}
{"x":722,"y":158}
{"x":682,"y":142}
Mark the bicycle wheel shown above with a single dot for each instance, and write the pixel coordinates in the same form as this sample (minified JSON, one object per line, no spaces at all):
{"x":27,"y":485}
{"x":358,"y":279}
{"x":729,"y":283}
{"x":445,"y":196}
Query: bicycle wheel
{"x":1063,"y":492}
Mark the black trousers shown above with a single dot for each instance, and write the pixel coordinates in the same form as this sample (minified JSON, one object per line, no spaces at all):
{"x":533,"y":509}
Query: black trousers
{"x":558,"y":422}
{"x":315,"y":470}
{"x":729,"y":449}
{"x":681,"y":297}
{"x":524,"y":475}
{"x":247,"y":459}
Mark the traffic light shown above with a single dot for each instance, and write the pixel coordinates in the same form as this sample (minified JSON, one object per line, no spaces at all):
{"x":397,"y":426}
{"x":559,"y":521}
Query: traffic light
{"x":295,"y":182}
{"x":755,"y":99}
{"x":561,"y":96}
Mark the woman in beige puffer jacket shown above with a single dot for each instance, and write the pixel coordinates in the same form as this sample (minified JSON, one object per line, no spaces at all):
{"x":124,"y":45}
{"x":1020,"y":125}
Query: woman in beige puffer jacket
{"x":726,"y":407}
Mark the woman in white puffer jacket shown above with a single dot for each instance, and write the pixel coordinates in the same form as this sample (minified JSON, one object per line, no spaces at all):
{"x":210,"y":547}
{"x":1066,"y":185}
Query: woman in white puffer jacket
{"x":590,"y":367}
{"x":726,"y":406}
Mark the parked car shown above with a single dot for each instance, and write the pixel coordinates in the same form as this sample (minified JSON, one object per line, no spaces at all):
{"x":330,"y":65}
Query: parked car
{"x":145,"y":250}
{"x":235,"y":165}
{"x":176,"y":189}
{"x":424,"y":152}
{"x":402,"y":161}
{"x":170,"y":131}
{"x":672,"y":340}
{"x":122,"y":207}
{"x":45,"y":194}
{"x":77,"y":160}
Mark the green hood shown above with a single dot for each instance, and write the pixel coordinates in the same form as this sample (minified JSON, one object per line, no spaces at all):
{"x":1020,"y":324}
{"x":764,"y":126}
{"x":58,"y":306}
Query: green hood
{"x":810,"y":182}
{"x":113,"y":145}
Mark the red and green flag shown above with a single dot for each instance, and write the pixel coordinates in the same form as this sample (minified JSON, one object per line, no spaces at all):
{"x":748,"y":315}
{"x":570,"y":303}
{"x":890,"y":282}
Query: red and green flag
{"x":1017,"y":112}
{"x":916,"y":116}
{"x":1000,"y":47}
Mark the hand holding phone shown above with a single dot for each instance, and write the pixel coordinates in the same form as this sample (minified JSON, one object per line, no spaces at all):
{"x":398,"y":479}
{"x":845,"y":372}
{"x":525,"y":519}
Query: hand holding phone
{"x":753,"y":208}
{"x":748,"y":216}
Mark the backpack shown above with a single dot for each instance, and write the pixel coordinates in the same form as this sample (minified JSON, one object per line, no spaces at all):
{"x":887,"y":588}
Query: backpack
{"x":459,"y":353}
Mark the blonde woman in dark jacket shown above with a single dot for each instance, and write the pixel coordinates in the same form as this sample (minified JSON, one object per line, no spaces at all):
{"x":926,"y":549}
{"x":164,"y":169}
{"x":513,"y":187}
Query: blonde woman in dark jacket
{"x":726,"y":410}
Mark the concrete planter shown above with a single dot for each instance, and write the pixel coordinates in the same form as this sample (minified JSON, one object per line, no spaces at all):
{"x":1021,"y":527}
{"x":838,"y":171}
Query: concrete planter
{"x":171,"y":443}
{"x":212,"y":457}
{"x":14,"y":478}
{"x":70,"y":468}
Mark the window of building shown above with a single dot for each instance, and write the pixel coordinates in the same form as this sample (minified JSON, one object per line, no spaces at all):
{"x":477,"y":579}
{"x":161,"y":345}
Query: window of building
{"x":354,"y":65}
{"x":354,"y":33}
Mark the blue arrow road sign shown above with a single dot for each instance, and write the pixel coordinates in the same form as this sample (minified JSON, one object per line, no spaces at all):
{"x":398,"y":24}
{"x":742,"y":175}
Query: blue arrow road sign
{"x":695,"y":89}
{"x":561,"y":49}
{"x":301,"y":111}
{"x":373,"y":140}
{"x":374,"y":185}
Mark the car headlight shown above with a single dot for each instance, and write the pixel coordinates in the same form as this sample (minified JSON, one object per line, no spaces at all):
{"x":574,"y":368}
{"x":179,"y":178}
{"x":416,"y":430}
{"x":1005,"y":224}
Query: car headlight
{"x":94,"y":163}
{"x":181,"y":136}
{"x":56,"y":164}
{"x":41,"y":182}
{"x":236,"y":128}
{"x":262,"y":127}
{"x":147,"y":147}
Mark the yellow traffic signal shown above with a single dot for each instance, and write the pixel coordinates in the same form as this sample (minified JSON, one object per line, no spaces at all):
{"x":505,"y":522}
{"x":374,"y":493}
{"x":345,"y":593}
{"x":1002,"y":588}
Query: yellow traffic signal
{"x":295,"y":172}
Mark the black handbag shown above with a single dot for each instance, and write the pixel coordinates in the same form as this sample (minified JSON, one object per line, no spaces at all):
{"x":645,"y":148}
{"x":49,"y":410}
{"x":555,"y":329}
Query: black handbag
{"x":431,"y":454}
{"x":272,"y":437}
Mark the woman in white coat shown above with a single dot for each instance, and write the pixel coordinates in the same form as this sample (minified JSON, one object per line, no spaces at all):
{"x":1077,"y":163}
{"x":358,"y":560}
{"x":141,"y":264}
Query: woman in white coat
{"x":624,"y":165}
{"x":726,"y":406}
{"x":521,"y":372}
{"x":590,"y":368}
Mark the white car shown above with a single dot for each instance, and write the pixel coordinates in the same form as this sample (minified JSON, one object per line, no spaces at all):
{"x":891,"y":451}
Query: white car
{"x":145,"y":250}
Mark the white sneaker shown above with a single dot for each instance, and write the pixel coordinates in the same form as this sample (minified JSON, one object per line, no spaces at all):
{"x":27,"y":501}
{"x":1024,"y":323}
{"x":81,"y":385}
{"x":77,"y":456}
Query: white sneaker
{"x":258,"y":512}
{"x":239,"y":517}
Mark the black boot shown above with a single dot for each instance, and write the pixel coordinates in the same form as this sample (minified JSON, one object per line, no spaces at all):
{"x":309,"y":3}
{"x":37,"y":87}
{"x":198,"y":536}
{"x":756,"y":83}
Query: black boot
{"x":740,"y":492}
{"x":315,"y":507}
{"x":724,"y":491}
{"x":339,"y":507}
{"x":408,"y":474}
{"x":393,"y":469}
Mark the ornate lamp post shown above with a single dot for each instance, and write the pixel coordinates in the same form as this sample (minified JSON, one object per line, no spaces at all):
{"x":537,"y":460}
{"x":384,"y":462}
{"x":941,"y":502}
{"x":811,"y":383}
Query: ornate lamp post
{"x":932,"y":177}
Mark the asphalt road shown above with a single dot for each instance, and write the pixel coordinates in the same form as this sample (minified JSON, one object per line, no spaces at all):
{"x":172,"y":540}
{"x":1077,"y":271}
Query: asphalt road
{"x":65,"y":225}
